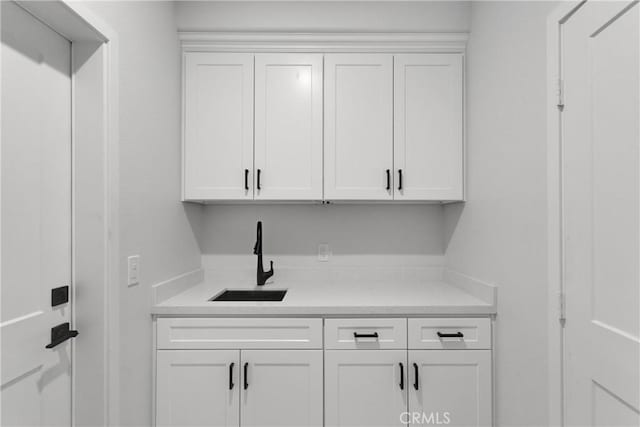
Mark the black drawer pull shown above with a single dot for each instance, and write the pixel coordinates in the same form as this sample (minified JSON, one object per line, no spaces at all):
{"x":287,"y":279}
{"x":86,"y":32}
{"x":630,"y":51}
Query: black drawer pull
{"x":399,"y":179}
{"x":60,"y":334}
{"x":401,"y":376}
{"x":231,"y":376}
{"x":388,"y":180}
{"x":416,"y":380}
{"x":357,"y":335}
{"x":456,"y":335}
{"x":246,"y":380}
{"x":258,"y":180}
{"x":246,"y":179}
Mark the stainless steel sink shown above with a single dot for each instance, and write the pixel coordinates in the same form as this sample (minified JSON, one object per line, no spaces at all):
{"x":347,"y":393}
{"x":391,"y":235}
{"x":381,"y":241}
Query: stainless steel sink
{"x":250,"y":295}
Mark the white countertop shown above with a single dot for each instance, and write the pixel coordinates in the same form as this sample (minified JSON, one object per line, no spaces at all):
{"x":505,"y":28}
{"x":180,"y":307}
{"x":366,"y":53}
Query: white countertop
{"x":332,"y":298}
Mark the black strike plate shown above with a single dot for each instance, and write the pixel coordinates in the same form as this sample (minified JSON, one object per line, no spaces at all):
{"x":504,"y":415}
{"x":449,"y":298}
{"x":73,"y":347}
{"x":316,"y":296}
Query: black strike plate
{"x":59,"y":295}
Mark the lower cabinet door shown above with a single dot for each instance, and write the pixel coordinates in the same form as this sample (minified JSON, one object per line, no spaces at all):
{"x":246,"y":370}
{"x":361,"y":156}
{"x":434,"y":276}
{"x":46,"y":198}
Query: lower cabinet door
{"x":365,"y":388}
{"x":451,"y":387}
{"x":197,"y":388}
{"x":281,"y":388}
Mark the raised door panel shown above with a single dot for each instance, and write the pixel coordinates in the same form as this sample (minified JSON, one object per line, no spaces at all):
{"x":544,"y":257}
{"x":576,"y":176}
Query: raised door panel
{"x":453,"y":387}
{"x":365,"y":388}
{"x":428,"y":130}
{"x":218,"y":126}
{"x":281,"y":388}
{"x":197,"y":388}
{"x":358,"y":126}
{"x":288,"y":126}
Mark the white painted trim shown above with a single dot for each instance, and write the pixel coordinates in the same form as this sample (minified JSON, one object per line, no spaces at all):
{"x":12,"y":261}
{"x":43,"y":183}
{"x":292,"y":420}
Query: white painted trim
{"x":555,"y":330}
{"x":162,"y":291}
{"x":485,"y":291}
{"x":322,"y":42}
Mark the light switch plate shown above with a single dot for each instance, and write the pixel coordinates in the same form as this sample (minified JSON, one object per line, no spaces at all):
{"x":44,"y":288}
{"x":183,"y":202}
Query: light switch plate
{"x":133,"y":270}
{"x":323,"y":252}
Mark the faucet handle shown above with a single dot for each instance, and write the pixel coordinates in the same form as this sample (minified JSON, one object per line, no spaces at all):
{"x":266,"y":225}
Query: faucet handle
{"x":271,"y":267}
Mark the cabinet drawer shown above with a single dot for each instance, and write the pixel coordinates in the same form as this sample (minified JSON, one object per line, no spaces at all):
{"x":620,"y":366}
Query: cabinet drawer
{"x":365,"y":334}
{"x":450,"y":334}
{"x":257,"y":333}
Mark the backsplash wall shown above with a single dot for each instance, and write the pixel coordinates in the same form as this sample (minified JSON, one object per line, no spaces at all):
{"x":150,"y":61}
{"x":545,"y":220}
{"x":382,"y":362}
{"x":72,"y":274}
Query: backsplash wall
{"x":348,"y":229}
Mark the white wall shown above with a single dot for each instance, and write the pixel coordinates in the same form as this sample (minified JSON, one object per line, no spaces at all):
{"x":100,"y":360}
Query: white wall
{"x":308,"y":16}
{"x":500,"y":234}
{"x":153,"y":223}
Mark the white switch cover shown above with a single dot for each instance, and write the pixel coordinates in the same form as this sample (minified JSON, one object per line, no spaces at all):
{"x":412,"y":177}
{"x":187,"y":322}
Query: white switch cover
{"x":133,"y":270}
{"x":323,"y":252}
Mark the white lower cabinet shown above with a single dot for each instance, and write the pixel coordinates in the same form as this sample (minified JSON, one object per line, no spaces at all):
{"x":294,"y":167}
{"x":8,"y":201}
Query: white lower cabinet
{"x":365,"y":387}
{"x":451,"y":387}
{"x":197,"y":388}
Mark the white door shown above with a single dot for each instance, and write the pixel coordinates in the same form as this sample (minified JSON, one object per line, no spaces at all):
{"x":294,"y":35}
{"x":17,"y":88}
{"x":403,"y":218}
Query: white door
{"x":365,"y":388}
{"x":451,"y":387}
{"x":198,"y":388}
{"x":428,"y":140}
{"x":281,"y":388}
{"x":601,"y":196}
{"x":36,"y":220}
{"x":358,"y":114}
{"x":288,"y":126}
{"x":218,"y":126}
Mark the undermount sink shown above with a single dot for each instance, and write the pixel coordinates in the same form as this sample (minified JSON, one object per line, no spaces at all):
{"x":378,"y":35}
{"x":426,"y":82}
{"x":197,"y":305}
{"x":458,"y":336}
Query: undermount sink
{"x":250,"y":295}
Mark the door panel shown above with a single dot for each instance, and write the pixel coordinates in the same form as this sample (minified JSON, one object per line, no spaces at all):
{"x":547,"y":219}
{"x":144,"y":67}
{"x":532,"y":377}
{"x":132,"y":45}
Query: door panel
{"x":218,"y":128}
{"x":358,"y":126}
{"x":198,"y":388}
{"x":453,"y":387}
{"x":428,"y":126}
{"x":36,"y":219}
{"x":601,"y":196}
{"x":283,"y":388}
{"x":362,"y":388}
{"x":288,"y":120}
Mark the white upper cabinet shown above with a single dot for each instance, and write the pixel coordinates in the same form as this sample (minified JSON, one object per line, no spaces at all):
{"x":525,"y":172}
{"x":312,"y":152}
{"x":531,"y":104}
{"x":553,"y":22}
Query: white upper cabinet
{"x":428,"y":128}
{"x":358,"y":116}
{"x":218,"y":126}
{"x":288,"y":126}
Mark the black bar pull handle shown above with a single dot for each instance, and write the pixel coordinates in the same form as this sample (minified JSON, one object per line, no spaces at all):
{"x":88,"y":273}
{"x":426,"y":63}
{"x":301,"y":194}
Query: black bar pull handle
{"x":399,"y":179}
{"x":246,"y":179}
{"x":246,"y":371}
{"x":231,"y":376}
{"x":258,"y":180}
{"x":456,"y":335}
{"x":60,"y":334}
{"x":416,"y":380}
{"x":357,"y":335}
{"x":401,"y":376}
{"x":388,"y":180}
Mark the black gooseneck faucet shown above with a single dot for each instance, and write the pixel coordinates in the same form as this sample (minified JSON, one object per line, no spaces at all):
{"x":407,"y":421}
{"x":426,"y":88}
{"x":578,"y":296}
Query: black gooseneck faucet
{"x":261,"y":275}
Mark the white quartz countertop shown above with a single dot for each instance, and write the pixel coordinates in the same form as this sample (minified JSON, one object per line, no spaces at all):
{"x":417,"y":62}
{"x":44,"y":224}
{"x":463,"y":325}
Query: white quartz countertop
{"x":425,"y":297}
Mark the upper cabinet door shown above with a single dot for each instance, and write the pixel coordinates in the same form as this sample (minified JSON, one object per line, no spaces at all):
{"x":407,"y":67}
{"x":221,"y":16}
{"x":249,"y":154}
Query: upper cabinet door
{"x":428,"y":140}
{"x":218,"y":127}
{"x":358,"y":127}
{"x":288,"y":126}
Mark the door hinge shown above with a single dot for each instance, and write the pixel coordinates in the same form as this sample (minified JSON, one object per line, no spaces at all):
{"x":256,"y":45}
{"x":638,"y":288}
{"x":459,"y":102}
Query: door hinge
{"x":562,"y":302}
{"x":560,"y":93}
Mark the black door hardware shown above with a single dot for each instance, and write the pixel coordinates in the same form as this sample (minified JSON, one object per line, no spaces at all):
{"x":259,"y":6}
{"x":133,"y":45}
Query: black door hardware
{"x":357,"y":335}
{"x":60,"y":334}
{"x":456,"y":335}
{"x":401,"y":376}
{"x":59,"y":295}
{"x":231,"y":376}
{"x":416,"y":379}
{"x":246,"y":179}
{"x":246,"y":380}
{"x":258,"y":180}
{"x":399,"y":179}
{"x":388,"y":180}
